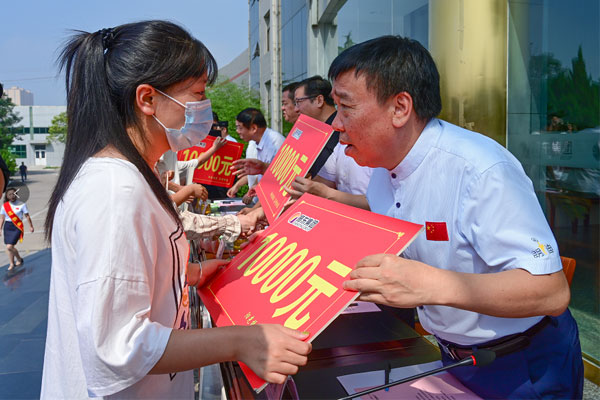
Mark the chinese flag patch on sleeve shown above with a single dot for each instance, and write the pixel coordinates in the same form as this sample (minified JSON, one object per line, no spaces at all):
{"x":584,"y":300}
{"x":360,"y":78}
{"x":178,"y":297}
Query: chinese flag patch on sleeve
{"x":436,"y":231}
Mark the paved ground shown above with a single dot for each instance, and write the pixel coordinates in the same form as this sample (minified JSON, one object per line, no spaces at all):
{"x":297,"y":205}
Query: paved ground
{"x":24,"y":306}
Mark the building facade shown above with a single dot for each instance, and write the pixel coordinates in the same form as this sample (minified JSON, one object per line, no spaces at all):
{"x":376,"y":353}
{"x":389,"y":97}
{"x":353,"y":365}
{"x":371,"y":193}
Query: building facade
{"x":19,"y":96}
{"x":31,"y":143}
{"x":524,"y":72}
{"x":237,"y":71}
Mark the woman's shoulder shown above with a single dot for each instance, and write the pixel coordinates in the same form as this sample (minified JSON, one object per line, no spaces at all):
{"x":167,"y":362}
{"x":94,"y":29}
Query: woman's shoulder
{"x":106,"y":177}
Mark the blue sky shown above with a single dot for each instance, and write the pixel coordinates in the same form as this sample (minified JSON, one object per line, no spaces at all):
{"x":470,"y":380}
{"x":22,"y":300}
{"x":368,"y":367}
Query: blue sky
{"x":31,"y":33}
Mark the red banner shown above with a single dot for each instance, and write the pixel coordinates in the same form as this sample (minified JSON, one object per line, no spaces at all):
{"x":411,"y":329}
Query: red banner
{"x":292,"y":275}
{"x":295,"y":157}
{"x":215,"y":171}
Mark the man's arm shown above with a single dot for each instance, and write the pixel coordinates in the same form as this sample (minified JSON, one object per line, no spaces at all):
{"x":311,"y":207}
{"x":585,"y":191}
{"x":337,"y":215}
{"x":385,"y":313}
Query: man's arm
{"x":516,"y":293}
{"x":237,"y":186}
{"x":323,"y":188}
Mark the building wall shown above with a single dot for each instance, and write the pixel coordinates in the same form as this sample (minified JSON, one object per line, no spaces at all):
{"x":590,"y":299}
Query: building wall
{"x":238,"y":70}
{"x":34,"y":149}
{"x":19,"y":96}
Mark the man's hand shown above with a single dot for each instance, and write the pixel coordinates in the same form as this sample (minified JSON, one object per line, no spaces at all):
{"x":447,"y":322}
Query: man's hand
{"x":273,"y":351}
{"x":247,"y":199}
{"x":248,"y":166}
{"x":303,"y":185}
{"x":391,"y":280}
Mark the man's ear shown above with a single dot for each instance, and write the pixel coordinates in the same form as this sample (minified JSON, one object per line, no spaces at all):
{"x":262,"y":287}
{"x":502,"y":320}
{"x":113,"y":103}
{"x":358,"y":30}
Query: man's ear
{"x":403,"y":109}
{"x":320,"y":100}
{"x":253,"y":129}
{"x":144,"y":99}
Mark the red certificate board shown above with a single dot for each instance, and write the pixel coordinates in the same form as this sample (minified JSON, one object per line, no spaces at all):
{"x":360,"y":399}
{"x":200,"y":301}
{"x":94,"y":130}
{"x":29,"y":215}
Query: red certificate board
{"x":296,"y":155}
{"x":292,"y":275}
{"x":215,"y":171}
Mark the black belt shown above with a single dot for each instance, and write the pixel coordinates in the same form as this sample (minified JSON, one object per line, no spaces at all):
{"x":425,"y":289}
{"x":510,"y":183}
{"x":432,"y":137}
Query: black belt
{"x":502,"y":346}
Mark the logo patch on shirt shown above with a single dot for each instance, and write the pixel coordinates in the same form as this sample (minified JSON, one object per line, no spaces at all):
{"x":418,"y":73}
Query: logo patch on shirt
{"x":297,"y":133}
{"x":302,"y":221}
{"x":542,"y":250}
{"x":436,"y":231}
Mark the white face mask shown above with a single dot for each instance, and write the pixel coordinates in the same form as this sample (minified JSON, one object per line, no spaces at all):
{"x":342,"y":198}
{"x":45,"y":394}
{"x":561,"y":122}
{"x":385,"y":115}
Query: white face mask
{"x":198,"y":121}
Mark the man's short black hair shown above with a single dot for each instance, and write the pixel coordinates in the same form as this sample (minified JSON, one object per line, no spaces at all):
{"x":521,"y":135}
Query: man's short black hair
{"x":291,"y":89}
{"x":250,"y":116}
{"x":315,"y":85}
{"x":391,"y":65}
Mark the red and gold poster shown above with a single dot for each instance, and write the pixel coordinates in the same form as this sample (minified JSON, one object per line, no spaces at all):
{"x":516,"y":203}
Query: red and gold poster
{"x":215,"y":171}
{"x":297,"y":154}
{"x":292,"y":275}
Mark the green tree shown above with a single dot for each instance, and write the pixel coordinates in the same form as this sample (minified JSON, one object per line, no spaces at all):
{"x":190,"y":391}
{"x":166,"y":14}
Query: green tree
{"x":9,"y":159}
{"x":228,"y":99}
{"x":8,"y":120}
{"x":58,"y":129}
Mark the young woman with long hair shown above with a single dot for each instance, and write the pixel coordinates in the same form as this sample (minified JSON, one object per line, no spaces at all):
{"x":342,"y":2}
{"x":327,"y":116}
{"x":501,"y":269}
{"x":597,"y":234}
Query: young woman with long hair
{"x":118,"y":307}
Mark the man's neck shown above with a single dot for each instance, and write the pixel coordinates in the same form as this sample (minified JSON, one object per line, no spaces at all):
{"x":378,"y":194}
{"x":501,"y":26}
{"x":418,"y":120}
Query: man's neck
{"x":326,"y":112}
{"x":259,"y":134}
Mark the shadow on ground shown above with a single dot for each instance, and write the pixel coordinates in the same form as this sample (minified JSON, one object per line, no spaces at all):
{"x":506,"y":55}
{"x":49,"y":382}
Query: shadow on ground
{"x":23,"y":320}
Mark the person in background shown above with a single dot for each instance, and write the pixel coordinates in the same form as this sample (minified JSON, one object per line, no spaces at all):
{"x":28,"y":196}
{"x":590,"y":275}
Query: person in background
{"x":23,"y":171}
{"x":13,"y":211}
{"x":263,"y":144}
{"x":118,"y":319}
{"x":288,"y":107}
{"x":487,"y":273}
{"x":219,"y":129}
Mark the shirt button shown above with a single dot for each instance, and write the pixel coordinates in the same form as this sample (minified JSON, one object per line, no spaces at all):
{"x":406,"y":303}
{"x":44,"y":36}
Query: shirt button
{"x":397,"y":205}
{"x":420,"y":307}
{"x":393,"y":176}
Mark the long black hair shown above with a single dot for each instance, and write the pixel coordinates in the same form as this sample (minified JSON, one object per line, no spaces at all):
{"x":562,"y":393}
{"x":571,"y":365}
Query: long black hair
{"x":103,"y":70}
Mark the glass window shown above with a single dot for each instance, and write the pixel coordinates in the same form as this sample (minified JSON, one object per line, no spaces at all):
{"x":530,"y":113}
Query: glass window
{"x":553,"y":125}
{"x":293,"y":36}
{"x":19,"y":150}
{"x":361,"y":20}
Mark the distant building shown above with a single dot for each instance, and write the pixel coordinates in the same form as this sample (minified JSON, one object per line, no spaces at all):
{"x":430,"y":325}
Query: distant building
{"x":237,"y":71}
{"x":31,"y":145}
{"x":19,"y":96}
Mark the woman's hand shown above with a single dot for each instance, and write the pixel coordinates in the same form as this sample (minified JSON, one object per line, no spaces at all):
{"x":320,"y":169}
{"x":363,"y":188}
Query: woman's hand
{"x":219,"y":142}
{"x":199,"y":274}
{"x":272,"y":351}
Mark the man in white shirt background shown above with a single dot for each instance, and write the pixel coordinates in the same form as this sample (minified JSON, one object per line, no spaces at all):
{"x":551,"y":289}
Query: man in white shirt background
{"x":263,"y":143}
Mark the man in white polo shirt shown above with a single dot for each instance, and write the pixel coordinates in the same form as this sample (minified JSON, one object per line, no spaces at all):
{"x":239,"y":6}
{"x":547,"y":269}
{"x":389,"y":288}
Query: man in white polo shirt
{"x":263,"y":143}
{"x":487,"y":272}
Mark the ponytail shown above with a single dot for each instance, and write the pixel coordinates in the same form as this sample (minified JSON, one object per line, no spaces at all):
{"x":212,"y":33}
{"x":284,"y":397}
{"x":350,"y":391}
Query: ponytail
{"x":103,"y":70}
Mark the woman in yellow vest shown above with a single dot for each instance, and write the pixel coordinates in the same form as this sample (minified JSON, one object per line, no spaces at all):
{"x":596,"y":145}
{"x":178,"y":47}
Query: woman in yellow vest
{"x":13,"y":211}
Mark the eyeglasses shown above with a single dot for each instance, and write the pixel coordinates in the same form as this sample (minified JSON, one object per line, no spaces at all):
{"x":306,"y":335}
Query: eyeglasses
{"x":301,"y":99}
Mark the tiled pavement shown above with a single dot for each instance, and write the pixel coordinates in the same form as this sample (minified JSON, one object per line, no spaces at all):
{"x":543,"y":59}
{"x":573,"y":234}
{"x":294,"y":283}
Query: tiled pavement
{"x":23,"y":320}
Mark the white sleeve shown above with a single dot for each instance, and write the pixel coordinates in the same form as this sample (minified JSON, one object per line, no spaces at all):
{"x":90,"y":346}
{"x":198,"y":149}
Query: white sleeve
{"x":502,"y":219}
{"x":24,"y":209}
{"x":115,"y":244}
{"x":329,"y":169}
